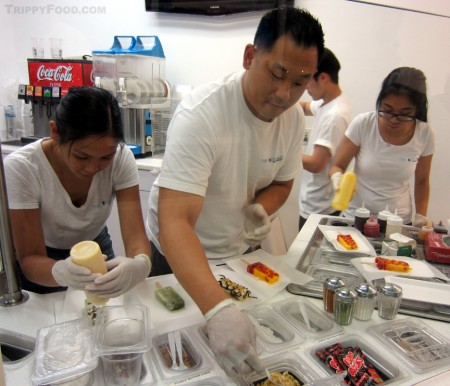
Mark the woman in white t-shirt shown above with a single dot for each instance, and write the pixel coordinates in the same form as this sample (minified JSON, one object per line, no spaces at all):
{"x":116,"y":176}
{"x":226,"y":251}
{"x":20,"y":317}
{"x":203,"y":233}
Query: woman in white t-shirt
{"x":392,"y":147}
{"x":61,"y":190}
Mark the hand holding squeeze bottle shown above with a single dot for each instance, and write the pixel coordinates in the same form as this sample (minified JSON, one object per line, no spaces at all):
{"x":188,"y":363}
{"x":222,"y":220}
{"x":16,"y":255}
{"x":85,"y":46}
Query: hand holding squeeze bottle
{"x":345,"y":185}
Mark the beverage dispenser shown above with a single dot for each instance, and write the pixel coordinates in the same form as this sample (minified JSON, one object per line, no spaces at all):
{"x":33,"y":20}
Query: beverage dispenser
{"x":136,"y":76}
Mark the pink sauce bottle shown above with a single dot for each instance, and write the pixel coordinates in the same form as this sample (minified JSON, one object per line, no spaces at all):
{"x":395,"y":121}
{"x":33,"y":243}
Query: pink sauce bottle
{"x":372,"y":227}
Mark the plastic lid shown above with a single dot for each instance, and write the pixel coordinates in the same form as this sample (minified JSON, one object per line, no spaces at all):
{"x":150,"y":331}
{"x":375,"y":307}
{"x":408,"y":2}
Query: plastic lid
{"x":392,"y":290}
{"x":372,"y":222}
{"x":63,"y":351}
{"x":333,"y":283}
{"x":394,"y":219}
{"x":365,"y":290}
{"x":121,"y":330}
{"x":362,"y":212}
{"x":345,"y":295}
{"x":384,"y":214}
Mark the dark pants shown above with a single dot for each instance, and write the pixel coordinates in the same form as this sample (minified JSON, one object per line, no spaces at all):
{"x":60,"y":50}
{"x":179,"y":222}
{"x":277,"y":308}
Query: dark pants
{"x":103,"y":239}
{"x":302,"y":220}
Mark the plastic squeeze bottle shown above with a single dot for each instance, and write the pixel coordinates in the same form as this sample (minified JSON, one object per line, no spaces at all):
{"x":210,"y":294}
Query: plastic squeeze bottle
{"x":394,"y":225}
{"x":89,"y":255}
{"x":361,"y":216}
{"x":382,"y":219}
{"x":371,"y":227}
{"x":344,"y":194}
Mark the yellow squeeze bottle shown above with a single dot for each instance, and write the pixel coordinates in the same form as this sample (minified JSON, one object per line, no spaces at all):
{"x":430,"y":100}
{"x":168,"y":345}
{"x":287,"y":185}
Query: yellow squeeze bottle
{"x":88,"y":254}
{"x":344,"y":194}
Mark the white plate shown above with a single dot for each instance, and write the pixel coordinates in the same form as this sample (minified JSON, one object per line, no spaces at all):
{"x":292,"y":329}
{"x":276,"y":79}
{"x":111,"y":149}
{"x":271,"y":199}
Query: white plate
{"x":423,"y":291}
{"x":239,"y":265}
{"x":367,"y":267}
{"x":331,"y":232}
{"x":238,"y":279}
{"x":159,"y":315}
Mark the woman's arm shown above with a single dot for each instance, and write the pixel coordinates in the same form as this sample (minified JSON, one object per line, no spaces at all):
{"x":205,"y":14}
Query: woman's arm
{"x":131,"y":222}
{"x":345,"y":153}
{"x":30,"y":246}
{"x":422,"y":184}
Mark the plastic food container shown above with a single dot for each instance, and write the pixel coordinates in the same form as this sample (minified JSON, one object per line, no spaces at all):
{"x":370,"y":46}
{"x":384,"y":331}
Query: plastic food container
{"x":120,"y":339}
{"x":275,"y":334}
{"x":64,"y":354}
{"x":353,"y":352}
{"x":419,"y":346}
{"x":307,"y":318}
{"x":194,"y":359}
{"x":293,"y":365}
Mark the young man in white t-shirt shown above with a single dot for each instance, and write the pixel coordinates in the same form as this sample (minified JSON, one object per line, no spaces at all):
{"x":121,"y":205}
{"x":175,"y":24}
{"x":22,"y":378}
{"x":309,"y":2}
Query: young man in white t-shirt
{"x":332,"y":113}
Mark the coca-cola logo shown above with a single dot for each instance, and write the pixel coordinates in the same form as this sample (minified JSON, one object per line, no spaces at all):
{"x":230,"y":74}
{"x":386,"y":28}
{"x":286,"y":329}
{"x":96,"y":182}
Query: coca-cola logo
{"x":58,"y":74}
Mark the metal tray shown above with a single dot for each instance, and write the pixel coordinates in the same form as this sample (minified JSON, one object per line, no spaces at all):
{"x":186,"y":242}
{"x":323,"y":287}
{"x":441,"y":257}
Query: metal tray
{"x":320,"y":259}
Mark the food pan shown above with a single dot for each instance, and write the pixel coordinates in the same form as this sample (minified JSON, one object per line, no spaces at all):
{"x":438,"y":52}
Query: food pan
{"x":418,"y":345}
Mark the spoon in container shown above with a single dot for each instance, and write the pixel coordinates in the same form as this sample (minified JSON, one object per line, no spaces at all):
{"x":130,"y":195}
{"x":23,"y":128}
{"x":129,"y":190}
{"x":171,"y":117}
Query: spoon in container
{"x":269,"y":377}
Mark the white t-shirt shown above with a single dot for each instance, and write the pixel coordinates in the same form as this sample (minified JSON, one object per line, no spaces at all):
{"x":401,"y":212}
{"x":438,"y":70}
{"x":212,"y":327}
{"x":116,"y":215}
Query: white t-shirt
{"x":331,"y":120}
{"x":384,"y":171}
{"x":218,"y":149}
{"x":32,"y":183}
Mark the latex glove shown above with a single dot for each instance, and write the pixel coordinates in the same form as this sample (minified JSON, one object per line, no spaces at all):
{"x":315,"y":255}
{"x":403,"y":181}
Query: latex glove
{"x":256,"y":224}
{"x":68,"y":274}
{"x":124,"y":273}
{"x":420,"y":220}
{"x":335,"y":180}
{"x":232,"y":338}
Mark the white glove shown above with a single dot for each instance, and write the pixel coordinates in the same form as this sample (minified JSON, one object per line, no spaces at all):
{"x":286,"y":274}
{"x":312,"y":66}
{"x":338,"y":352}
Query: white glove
{"x":68,"y":274}
{"x":124,"y":273}
{"x":335,"y":180}
{"x":232,"y":338}
{"x":420,"y":220}
{"x":256,"y":224}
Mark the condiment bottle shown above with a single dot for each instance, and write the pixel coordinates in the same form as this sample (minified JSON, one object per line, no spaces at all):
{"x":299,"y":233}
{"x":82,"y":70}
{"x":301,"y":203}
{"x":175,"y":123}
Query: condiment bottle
{"x":389,"y":300}
{"x":365,"y":302}
{"x":344,"y":305}
{"x":382,"y":219}
{"x":371,"y":227}
{"x":361,"y":216}
{"x":330,"y":285}
{"x":422,"y":236}
{"x":394,"y":224}
{"x":88,"y":254}
{"x":344,"y":194}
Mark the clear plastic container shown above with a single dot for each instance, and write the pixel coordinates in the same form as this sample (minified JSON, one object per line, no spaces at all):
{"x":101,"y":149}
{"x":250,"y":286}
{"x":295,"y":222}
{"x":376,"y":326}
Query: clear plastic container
{"x":389,"y":300}
{"x":64,"y":354}
{"x":284,"y":363}
{"x":418,"y":345}
{"x":365,"y":302}
{"x":194,"y":358}
{"x":274,"y":333}
{"x":344,"y":305}
{"x":307,"y":318}
{"x":355,"y":350}
{"x":330,"y":285}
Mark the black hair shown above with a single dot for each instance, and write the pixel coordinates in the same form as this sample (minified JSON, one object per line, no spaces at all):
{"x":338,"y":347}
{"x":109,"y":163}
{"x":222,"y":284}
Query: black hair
{"x":304,"y":28}
{"x":410,"y":82}
{"x":330,"y":65}
{"x":88,"y":111}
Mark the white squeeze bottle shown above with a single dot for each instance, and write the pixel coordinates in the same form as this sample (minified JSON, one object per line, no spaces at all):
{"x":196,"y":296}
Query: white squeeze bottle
{"x":394,"y":224}
{"x":89,"y":255}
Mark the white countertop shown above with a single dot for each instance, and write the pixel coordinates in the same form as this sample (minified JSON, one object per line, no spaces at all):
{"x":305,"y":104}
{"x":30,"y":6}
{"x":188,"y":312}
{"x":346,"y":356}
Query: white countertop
{"x":43,"y":310}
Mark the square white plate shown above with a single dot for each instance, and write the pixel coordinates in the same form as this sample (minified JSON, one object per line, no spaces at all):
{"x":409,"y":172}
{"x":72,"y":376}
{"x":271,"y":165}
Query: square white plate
{"x":422,"y":291}
{"x":287,"y":273}
{"x":367,"y":267}
{"x":331,"y":232}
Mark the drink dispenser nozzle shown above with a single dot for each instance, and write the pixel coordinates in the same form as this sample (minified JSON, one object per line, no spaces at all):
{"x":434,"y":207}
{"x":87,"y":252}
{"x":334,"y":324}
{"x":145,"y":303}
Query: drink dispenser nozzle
{"x":122,"y":93}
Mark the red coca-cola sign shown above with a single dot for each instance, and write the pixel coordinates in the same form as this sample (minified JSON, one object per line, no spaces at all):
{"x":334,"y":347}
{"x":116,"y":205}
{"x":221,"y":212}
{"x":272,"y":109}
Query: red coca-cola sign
{"x":62,"y":73}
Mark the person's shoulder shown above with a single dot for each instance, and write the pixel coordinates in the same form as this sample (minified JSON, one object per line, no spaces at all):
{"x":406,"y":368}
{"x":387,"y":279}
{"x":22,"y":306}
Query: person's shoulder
{"x":25,"y":155}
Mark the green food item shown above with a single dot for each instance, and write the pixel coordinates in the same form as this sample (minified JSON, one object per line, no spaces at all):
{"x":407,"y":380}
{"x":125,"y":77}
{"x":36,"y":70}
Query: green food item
{"x":169,"y":298}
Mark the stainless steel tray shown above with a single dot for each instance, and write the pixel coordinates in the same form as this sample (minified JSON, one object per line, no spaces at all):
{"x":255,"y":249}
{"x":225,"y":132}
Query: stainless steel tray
{"x":320,"y":260}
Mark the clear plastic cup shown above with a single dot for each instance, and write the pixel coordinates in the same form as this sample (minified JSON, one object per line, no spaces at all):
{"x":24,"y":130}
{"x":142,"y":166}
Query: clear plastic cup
{"x":37,"y":47}
{"x":56,"y":48}
{"x":122,"y":369}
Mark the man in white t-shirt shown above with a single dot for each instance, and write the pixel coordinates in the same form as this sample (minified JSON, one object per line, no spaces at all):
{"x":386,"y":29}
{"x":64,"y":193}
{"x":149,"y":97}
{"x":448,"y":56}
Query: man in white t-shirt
{"x":332,"y":113}
{"x":231,"y":156}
